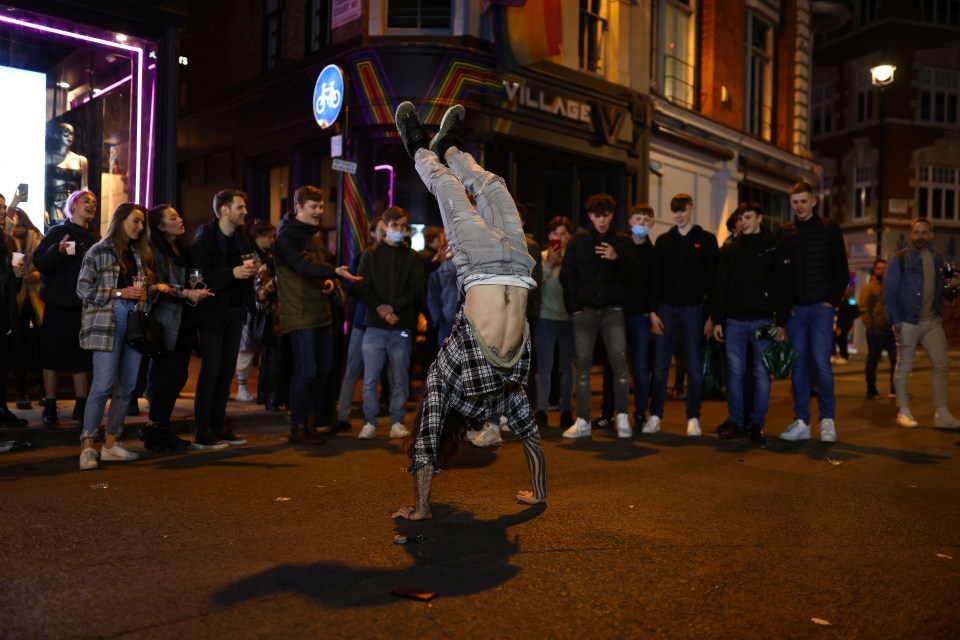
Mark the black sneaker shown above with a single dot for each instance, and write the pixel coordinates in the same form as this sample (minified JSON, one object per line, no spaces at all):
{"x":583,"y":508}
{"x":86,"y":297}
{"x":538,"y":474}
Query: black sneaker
{"x":412,"y":133}
{"x":342,"y":425}
{"x":23,"y":404}
{"x":602,"y":423}
{"x":729,"y":430}
{"x":566,"y":420}
{"x":540,"y":417}
{"x":756,"y":434}
{"x":207,"y":442}
{"x":152,"y":438}
{"x":232,"y":439}
{"x":450,"y":133}
{"x":51,"y":419}
{"x":9,"y":419}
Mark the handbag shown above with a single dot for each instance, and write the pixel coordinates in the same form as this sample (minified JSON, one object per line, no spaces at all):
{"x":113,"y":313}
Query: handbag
{"x":144,"y":332}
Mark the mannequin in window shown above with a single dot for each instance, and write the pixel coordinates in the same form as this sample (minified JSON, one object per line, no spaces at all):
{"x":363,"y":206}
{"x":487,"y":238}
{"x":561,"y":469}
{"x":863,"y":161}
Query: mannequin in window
{"x":66,"y":171}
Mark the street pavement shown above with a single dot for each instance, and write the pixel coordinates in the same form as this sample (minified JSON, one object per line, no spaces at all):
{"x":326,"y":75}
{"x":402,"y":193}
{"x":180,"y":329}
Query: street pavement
{"x":660,"y":536}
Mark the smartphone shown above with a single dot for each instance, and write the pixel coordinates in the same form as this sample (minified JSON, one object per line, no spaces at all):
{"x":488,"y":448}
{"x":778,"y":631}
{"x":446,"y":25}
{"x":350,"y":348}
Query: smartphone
{"x":555,"y":244}
{"x":22,"y":189}
{"x":413,"y":592}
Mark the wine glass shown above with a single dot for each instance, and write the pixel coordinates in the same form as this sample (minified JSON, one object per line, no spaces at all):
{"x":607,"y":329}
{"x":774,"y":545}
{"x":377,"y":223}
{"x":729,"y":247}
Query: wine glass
{"x":194,"y":281}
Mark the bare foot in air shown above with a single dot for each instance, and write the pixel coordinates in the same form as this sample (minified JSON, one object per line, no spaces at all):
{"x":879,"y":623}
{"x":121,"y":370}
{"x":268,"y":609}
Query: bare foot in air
{"x":527,"y":497}
{"x":409,"y":513}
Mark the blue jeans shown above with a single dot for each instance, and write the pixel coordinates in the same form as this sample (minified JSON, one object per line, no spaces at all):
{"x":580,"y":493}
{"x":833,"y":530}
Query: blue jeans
{"x":114,"y":375}
{"x":637,"y":327}
{"x":312,"y":351}
{"x":740,"y":337}
{"x":810,"y":330}
{"x":608,"y":322}
{"x":553,"y":334}
{"x":689,"y":321}
{"x":379,"y":346}
{"x":351,"y":372}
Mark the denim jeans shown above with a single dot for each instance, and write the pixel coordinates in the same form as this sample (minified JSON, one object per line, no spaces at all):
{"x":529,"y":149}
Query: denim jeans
{"x":689,"y":321}
{"x":877,"y":343}
{"x":312,"y":351}
{"x":608,"y":322}
{"x":351,"y":372}
{"x":740,"y":338}
{"x":551,"y":335}
{"x":637,"y":326}
{"x":810,"y":330}
{"x":379,"y":346}
{"x":218,"y":353}
{"x":114,"y":376}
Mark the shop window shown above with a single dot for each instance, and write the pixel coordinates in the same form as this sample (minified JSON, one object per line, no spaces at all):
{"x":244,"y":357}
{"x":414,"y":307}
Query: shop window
{"x":318,"y":25}
{"x":678,"y":43}
{"x":419,"y":14}
{"x":593,"y":29}
{"x":862,"y":191}
{"x":82,"y":118}
{"x":939,"y":90}
{"x":759,"y":84}
{"x":937,"y":196}
{"x":941,"y":12}
{"x":821,"y":112}
{"x":865,"y":93}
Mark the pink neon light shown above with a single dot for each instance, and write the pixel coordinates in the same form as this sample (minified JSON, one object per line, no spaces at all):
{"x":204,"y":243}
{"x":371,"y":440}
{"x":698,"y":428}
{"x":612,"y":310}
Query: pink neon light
{"x":100,"y":92}
{"x":106,"y":43}
{"x":387,"y":167}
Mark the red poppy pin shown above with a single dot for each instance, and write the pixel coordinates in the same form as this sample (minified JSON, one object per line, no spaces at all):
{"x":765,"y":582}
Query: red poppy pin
{"x":696,"y":245}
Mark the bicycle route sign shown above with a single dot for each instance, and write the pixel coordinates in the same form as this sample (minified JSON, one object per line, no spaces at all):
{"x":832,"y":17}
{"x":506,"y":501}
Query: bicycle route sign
{"x":328,"y":96}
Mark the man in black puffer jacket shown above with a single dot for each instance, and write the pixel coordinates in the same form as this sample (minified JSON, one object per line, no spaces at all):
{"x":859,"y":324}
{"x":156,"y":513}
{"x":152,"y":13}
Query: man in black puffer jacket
{"x":597,"y":264}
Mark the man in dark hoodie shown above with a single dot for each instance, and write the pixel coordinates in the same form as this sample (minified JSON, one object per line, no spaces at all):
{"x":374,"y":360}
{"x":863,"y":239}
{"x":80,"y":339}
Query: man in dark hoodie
{"x":304,"y":284}
{"x":597,"y":264}
{"x":818,"y":259}
{"x":751,"y":291}
{"x":392,"y":287}
{"x":684,"y":260}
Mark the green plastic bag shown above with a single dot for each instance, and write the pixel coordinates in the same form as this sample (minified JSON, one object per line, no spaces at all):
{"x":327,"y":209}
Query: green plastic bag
{"x":779,"y":358}
{"x":711,"y":369}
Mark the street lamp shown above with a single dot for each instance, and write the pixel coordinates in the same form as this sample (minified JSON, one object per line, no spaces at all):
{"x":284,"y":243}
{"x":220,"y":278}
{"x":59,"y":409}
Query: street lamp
{"x":881,"y":76}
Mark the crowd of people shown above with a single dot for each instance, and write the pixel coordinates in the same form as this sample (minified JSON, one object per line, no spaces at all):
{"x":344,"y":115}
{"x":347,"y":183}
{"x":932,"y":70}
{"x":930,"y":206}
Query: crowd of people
{"x":235,"y":294}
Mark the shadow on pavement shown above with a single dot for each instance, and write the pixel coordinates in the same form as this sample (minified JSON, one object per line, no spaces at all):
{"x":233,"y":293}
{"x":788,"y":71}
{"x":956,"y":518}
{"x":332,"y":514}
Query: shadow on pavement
{"x":459,"y":556}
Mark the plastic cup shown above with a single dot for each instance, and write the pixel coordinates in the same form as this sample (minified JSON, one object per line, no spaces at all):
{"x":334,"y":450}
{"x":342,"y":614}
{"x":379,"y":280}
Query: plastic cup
{"x":17,"y":259}
{"x":71,"y":248}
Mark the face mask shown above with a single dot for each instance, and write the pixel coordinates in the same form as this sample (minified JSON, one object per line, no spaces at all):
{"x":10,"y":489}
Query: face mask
{"x":396,"y":237}
{"x":640,"y":231}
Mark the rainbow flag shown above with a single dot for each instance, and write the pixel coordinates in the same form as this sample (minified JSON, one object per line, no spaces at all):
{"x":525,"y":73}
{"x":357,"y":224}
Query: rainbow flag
{"x":356,"y":218}
{"x":526,"y":31}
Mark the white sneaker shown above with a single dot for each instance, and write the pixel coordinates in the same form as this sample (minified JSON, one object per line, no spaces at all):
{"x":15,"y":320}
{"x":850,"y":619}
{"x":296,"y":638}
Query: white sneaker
{"x":397,"y":430}
{"x":504,"y":427}
{"x":243,"y":395}
{"x":905,"y":419}
{"x":693,"y":427}
{"x":368,"y":432}
{"x":623,"y":426}
{"x":88,"y":459}
{"x":798,"y":430}
{"x":117,"y":453}
{"x":828,"y":430}
{"x":943,"y":419}
{"x":579,"y":429}
{"x":652,"y":425}
{"x":489,"y":436}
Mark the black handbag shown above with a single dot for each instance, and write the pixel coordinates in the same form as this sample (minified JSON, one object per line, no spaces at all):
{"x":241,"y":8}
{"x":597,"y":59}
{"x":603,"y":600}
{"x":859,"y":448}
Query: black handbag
{"x":144,"y":332}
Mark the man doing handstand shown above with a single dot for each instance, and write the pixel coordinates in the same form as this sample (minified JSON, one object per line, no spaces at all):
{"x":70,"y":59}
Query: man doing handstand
{"x":482,"y":367}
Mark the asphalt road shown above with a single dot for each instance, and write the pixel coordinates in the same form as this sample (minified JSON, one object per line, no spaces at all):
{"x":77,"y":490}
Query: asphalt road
{"x":661,"y":536}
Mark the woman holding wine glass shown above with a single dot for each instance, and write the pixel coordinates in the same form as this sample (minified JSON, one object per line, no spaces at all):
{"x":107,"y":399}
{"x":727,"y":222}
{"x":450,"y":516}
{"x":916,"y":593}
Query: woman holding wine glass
{"x":174,"y":308}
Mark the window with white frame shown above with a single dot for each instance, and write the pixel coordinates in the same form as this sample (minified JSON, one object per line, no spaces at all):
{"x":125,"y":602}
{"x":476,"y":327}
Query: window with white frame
{"x":678,"y":43}
{"x":821,"y":109}
{"x":593,"y":28}
{"x":865,"y":98}
{"x":759,"y":84}
{"x":939,"y":91}
{"x":941,"y":12}
{"x":862,"y":191}
{"x":419,"y":14}
{"x":937,"y":195}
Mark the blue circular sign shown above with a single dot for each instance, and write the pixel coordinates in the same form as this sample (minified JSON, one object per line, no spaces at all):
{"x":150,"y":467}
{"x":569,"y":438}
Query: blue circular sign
{"x":328,"y":96}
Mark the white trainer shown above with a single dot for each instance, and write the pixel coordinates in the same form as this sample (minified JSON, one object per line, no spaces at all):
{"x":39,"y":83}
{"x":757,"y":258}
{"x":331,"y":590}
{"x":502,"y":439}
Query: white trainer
{"x":368,"y":432}
{"x":945,"y":420}
{"x":397,"y":430}
{"x":693,"y":427}
{"x":623,"y":426}
{"x":798,"y":430}
{"x":828,"y":430}
{"x":489,"y":436}
{"x":117,"y":453}
{"x":905,"y":419}
{"x":243,"y":395}
{"x":579,"y":429}
{"x":652,"y":425}
{"x":88,"y":459}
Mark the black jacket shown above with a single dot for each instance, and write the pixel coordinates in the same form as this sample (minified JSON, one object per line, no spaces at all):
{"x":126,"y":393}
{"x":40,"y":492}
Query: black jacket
{"x":294,"y":248}
{"x":638,"y":291}
{"x":752,"y":281}
{"x":217,"y":263}
{"x":818,"y":259}
{"x":59,"y":271}
{"x":587,"y":279}
{"x":683,"y":267}
{"x":391,"y":275}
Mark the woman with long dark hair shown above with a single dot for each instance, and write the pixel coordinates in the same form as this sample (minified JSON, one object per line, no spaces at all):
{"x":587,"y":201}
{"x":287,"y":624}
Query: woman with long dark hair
{"x":115,"y":276}
{"x":174,"y":308}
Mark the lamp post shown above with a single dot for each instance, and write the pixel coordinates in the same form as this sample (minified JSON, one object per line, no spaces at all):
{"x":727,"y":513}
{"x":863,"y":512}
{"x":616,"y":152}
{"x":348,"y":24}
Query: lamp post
{"x":881,"y":76}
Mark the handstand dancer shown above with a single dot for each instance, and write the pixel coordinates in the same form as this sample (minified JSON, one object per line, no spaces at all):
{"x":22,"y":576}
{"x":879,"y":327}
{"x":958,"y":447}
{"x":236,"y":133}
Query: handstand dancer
{"x":482,"y":367}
